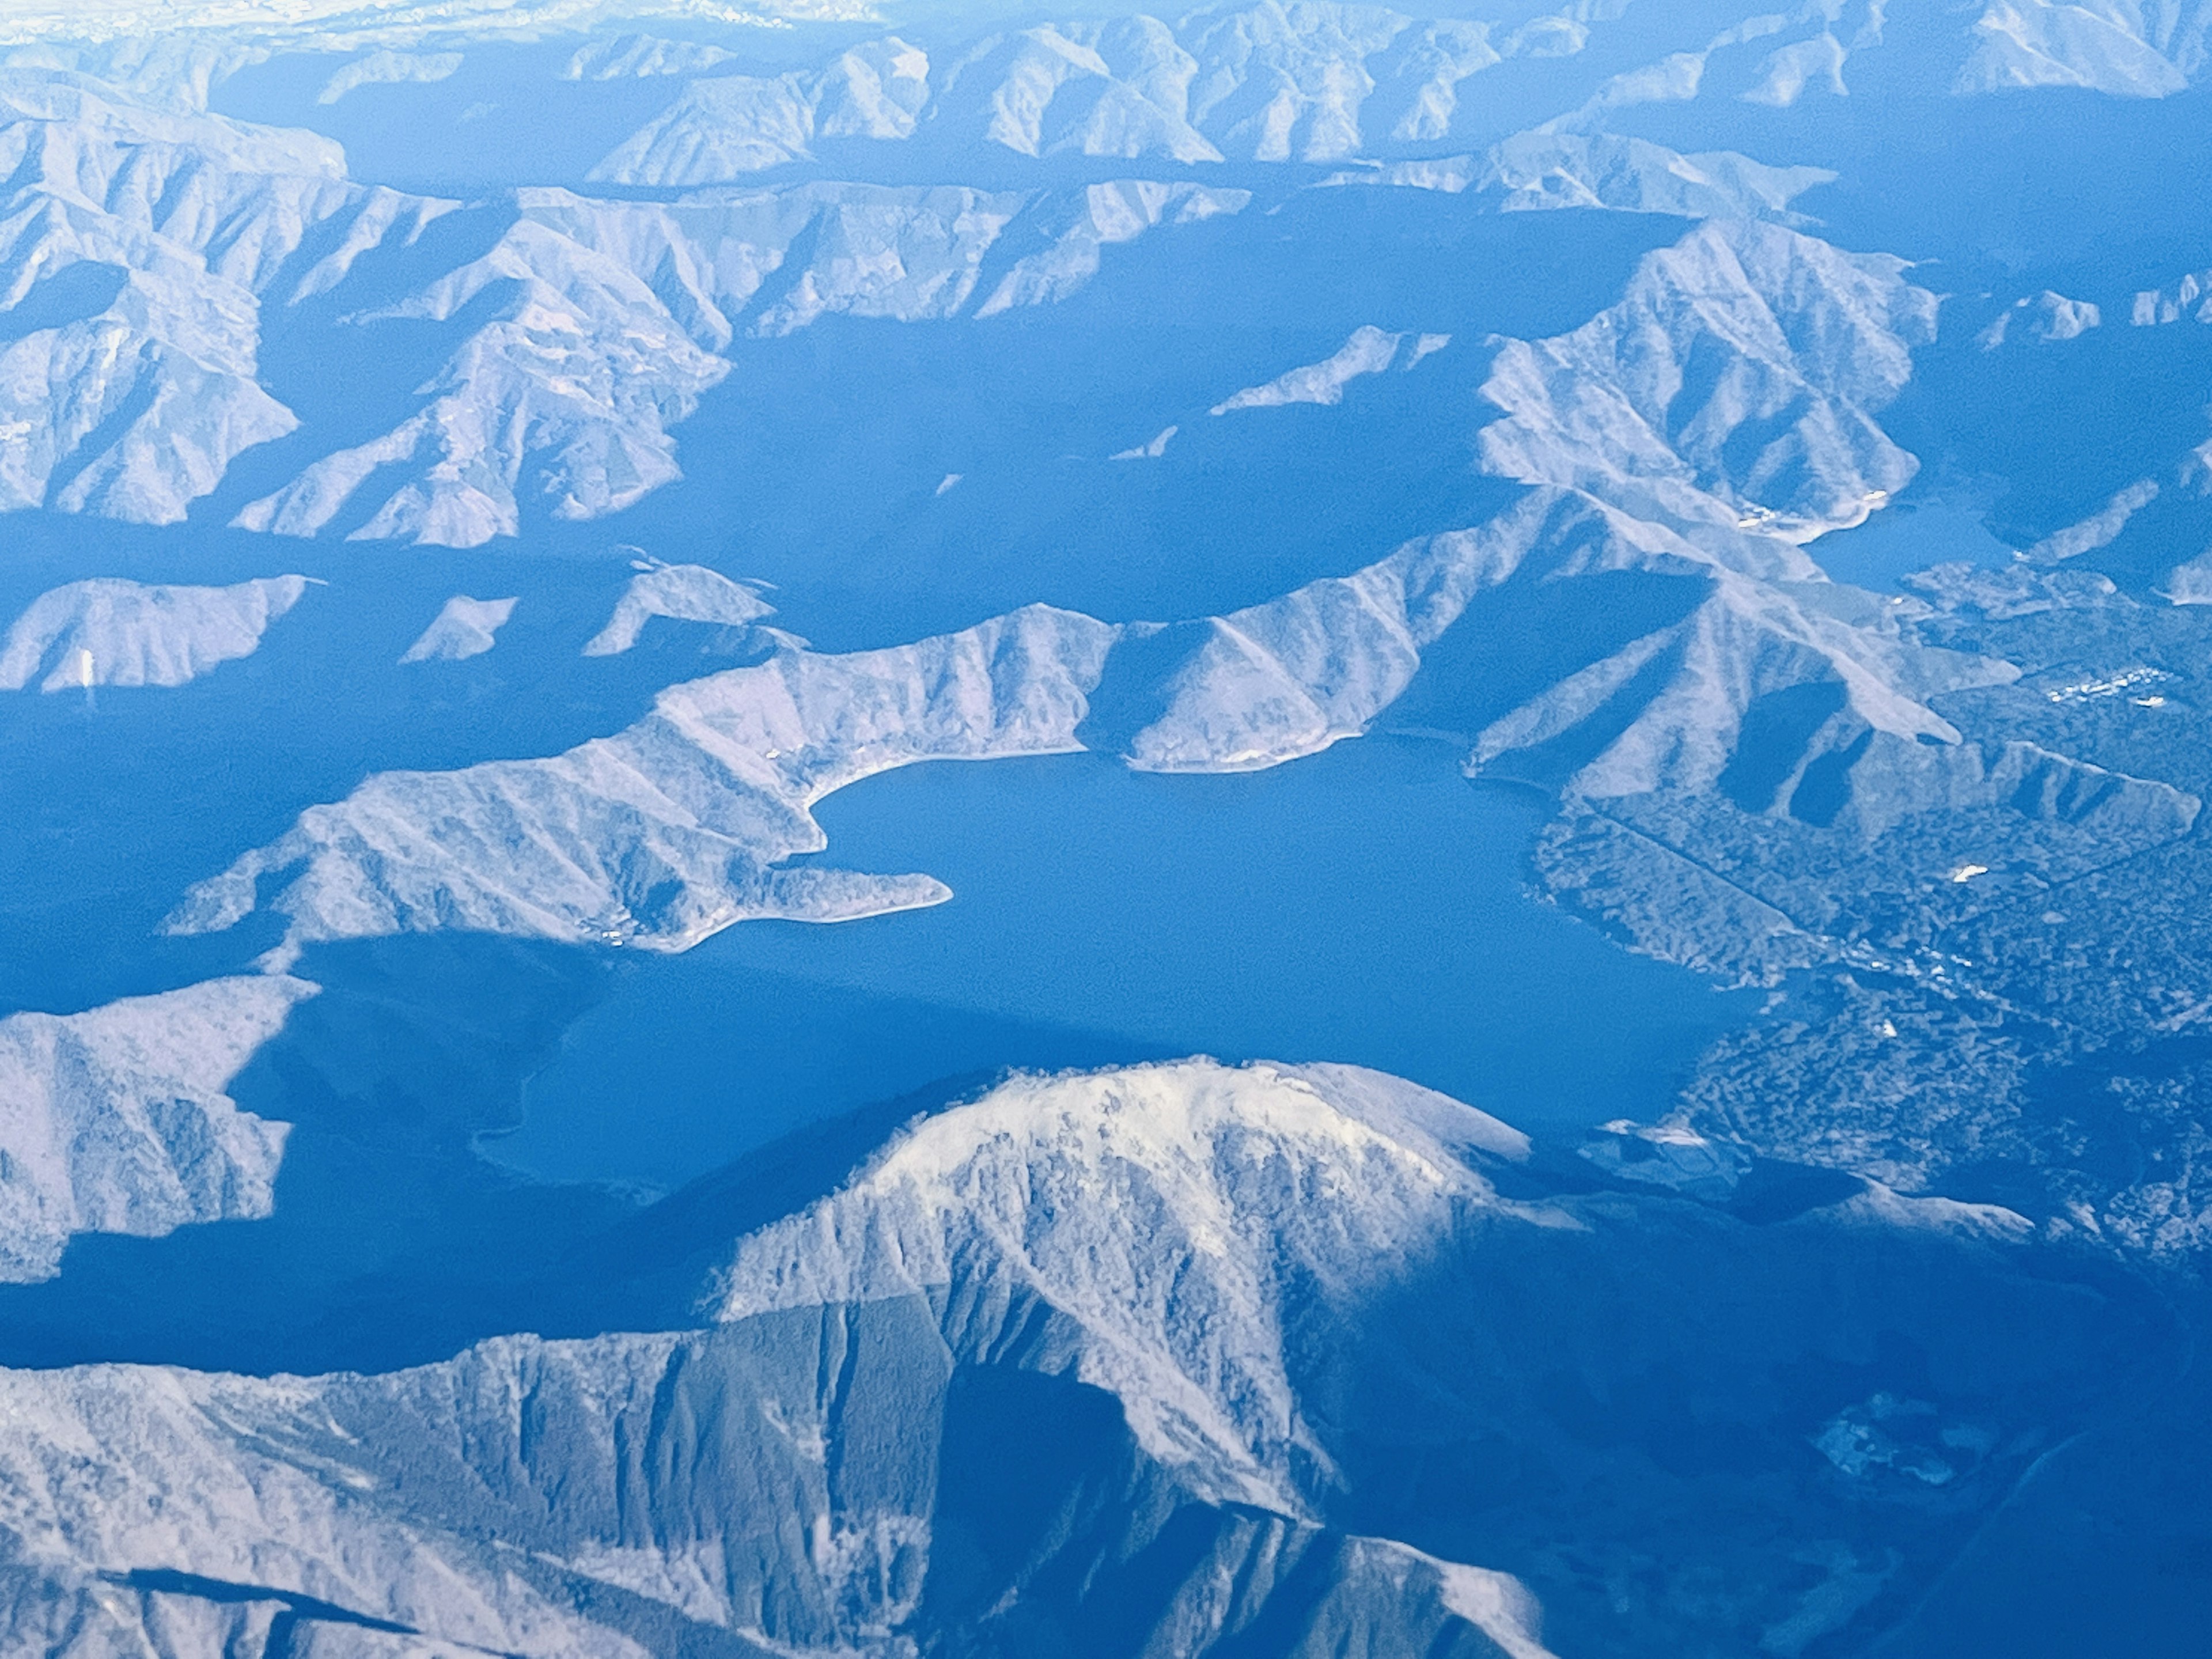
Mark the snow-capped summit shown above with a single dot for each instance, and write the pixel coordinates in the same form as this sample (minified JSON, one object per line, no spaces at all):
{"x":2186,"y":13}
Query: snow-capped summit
{"x":1150,"y":1228}
{"x":1815,"y":341}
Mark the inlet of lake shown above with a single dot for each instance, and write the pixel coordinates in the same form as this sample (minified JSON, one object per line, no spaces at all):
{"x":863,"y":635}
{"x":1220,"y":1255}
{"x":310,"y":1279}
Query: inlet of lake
{"x":1368,"y":904}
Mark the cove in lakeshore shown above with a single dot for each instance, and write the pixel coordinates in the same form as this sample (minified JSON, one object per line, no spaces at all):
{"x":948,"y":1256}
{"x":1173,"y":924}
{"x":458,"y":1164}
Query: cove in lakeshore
{"x":1911,"y":536}
{"x":1367,"y":904}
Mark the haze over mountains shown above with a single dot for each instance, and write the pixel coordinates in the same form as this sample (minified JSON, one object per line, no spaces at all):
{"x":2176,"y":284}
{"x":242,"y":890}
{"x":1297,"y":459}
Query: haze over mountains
{"x":676,"y":419}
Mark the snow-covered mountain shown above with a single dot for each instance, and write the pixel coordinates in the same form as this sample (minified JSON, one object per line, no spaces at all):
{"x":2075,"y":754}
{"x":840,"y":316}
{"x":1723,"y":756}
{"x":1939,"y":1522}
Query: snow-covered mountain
{"x":1707,"y":482}
{"x":375,"y":25}
{"x":463,"y":628}
{"x":148,"y":247}
{"x":158,"y":251}
{"x":681,"y":592}
{"x":108,"y":631}
{"x":1767,"y":453}
{"x":1058,"y":1361}
{"x":1537,"y":170}
{"x":2108,"y":45}
{"x":117,"y":1120}
{"x":1320,"y":82}
{"x":676,"y":827}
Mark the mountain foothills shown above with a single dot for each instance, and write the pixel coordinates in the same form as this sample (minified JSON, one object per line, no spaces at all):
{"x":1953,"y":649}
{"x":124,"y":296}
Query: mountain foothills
{"x":1841,"y":603}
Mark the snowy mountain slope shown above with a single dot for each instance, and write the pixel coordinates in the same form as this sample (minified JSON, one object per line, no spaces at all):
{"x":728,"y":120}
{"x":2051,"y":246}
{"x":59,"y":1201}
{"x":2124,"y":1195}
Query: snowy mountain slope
{"x":128,"y":372}
{"x":699,"y":1491}
{"x":154,"y":252}
{"x":727,"y":126}
{"x":1736,"y":381}
{"x":671,"y":830}
{"x":115,"y":1121}
{"x":987,"y":1392}
{"x":139,"y":243}
{"x":1370,"y":350}
{"x":666,"y":1487}
{"x":1079,"y":227}
{"x":623,"y":56}
{"x":2115,"y":46}
{"x":682,"y":592}
{"x":463,"y":628}
{"x":1318,"y":83}
{"x":108,"y":631}
{"x":576,"y":373}
{"x":2192,"y":296}
{"x":1254,"y":1180}
{"x":907,"y":254}
{"x":1666,"y":707}
{"x":1746,"y":358}
{"x":1306,"y":82}
{"x":2046,"y":317}
{"x":1538,"y":170}
{"x":389,"y":68}
{"x":1267,"y":82}
{"x":588,"y":329}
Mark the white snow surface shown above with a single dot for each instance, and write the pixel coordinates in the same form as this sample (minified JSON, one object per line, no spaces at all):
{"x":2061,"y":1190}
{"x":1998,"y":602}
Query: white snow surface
{"x":1310,"y":82}
{"x":342,"y":25}
{"x":115,"y":1121}
{"x":2117,"y":47}
{"x":633,"y":57}
{"x":463,"y":628}
{"x":142,"y":344}
{"x":2192,"y":296}
{"x":389,"y":68}
{"x":147,"y":243}
{"x":1316,"y":82}
{"x":1815,"y":341}
{"x":109,"y":631}
{"x":682,"y":592}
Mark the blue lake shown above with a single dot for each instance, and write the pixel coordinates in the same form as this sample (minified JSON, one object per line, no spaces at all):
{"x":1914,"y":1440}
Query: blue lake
{"x":1911,"y":536}
{"x":1367,"y":905}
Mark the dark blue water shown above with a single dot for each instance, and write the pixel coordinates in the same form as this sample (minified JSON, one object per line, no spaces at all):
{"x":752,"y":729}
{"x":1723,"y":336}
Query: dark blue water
{"x":1365,"y":905}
